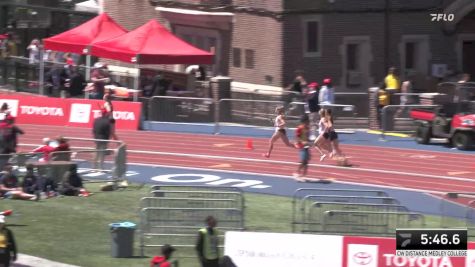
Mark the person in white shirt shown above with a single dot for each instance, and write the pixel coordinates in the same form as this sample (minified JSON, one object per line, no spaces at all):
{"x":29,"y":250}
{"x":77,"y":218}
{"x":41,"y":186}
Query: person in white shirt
{"x":34,"y":51}
{"x":326,"y":95}
{"x":321,"y":143}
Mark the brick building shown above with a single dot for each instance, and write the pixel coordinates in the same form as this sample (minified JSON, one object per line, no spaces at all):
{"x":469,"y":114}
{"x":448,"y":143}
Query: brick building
{"x":264,"y":42}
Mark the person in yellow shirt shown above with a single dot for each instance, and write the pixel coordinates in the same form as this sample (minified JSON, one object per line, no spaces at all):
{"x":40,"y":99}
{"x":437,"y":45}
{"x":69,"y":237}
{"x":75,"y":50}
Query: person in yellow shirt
{"x":8,"y":250}
{"x":392,"y":85}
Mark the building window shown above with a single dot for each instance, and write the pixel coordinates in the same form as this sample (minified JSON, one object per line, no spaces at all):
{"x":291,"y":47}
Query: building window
{"x":410,"y":50}
{"x":312,"y":36}
{"x":352,"y":57}
{"x":249,"y":58}
{"x":237,"y":57}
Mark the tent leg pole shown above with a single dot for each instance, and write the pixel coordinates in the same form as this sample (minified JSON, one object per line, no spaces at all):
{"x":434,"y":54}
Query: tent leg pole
{"x":41,"y":78}
{"x":136,"y":82}
{"x":87,"y":75}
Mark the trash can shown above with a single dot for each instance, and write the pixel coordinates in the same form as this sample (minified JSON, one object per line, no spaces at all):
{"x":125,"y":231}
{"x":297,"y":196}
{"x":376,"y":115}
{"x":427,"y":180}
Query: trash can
{"x":122,"y":234}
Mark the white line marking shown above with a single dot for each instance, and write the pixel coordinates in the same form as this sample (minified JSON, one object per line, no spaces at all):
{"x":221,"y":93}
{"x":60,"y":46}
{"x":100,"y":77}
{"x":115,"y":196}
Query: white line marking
{"x":94,"y":174}
{"x":287,"y":176}
{"x":464,"y":179}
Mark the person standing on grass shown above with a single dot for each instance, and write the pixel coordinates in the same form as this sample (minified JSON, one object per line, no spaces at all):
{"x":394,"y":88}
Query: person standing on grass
{"x":302,"y":142}
{"x":8,"y":249}
{"x":280,"y":132}
{"x":102,"y":130}
{"x":207,"y":244}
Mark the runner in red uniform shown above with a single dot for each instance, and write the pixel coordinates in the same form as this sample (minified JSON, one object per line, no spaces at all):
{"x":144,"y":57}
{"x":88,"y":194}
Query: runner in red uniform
{"x":303,"y":143}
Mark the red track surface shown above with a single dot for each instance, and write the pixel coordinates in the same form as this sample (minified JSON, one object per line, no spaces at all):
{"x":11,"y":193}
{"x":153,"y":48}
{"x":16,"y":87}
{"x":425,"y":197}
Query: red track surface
{"x":403,"y":168}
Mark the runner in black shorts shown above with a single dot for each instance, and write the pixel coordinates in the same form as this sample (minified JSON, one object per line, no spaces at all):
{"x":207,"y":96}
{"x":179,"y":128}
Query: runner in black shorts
{"x":333,"y":136}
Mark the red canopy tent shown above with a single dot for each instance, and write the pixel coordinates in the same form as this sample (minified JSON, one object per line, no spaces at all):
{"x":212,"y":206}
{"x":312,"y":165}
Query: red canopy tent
{"x":151,"y":43}
{"x":81,"y":37}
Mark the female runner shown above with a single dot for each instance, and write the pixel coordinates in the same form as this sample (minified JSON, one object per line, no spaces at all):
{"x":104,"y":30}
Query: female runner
{"x":280,"y":132}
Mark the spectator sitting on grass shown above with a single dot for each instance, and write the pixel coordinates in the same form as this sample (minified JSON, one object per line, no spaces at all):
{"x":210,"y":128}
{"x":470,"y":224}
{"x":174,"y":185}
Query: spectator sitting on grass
{"x":72,"y":183}
{"x":9,"y":186}
{"x":30,"y":181}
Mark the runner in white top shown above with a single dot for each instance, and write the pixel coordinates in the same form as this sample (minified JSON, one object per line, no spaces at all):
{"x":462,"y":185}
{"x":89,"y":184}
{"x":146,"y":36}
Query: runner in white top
{"x":321,"y":143}
{"x":280,"y":132}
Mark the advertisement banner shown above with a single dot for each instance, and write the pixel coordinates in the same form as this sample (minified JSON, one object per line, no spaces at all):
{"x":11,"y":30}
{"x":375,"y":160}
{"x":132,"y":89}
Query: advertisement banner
{"x":69,"y":111}
{"x":380,"y":252}
{"x":36,"y":110}
{"x":248,"y":249}
{"x":84,"y":111}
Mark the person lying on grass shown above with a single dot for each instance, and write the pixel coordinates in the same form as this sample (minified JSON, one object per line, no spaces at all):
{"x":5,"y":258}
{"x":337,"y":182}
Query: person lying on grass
{"x":10,"y":186}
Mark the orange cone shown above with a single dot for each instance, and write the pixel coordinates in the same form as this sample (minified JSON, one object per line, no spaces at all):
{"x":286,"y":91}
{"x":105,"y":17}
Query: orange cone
{"x":249,"y":144}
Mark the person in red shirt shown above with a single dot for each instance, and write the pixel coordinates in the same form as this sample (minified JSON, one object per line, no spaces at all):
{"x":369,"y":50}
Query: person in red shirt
{"x":162,"y":261}
{"x":46,"y":149}
{"x":303,"y":143}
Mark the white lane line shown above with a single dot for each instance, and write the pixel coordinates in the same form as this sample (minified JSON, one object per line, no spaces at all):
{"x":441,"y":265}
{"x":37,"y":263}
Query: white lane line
{"x":463,"y":179}
{"x":286,"y":176}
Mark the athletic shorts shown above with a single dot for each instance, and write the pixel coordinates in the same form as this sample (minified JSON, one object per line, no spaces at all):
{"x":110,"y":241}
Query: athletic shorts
{"x":282,"y":131}
{"x":333,"y":135}
{"x":326,"y":135}
{"x":304,"y":155}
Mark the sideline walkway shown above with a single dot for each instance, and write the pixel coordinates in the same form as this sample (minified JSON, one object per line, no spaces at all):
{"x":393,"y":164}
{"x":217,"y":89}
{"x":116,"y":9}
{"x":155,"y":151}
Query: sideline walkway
{"x":30,"y":261}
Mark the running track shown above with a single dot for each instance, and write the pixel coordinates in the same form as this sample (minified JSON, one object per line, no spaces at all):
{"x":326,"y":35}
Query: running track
{"x":405,"y":168}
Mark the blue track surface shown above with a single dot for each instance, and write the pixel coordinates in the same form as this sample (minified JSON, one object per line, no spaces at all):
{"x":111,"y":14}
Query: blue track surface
{"x":275,"y":185}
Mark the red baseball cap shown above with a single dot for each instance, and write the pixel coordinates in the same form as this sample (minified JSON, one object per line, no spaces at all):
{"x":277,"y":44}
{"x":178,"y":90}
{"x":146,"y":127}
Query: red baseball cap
{"x":327,"y":81}
{"x":313,"y":85}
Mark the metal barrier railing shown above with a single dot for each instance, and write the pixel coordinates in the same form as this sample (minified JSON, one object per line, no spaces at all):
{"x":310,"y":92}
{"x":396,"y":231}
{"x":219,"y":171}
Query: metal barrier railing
{"x":253,"y":112}
{"x":465,"y":220}
{"x":307,"y":203}
{"x":297,"y":109}
{"x":175,"y":213}
{"x":314,"y":220}
{"x":300,"y":194}
{"x":470,"y":218}
{"x":370,"y":222}
{"x":181,"y":109}
{"x":385,"y":116}
{"x":83,"y":152}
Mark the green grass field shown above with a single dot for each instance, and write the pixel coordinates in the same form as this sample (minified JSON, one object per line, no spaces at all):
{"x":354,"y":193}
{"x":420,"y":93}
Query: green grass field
{"x":75,"y":230}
